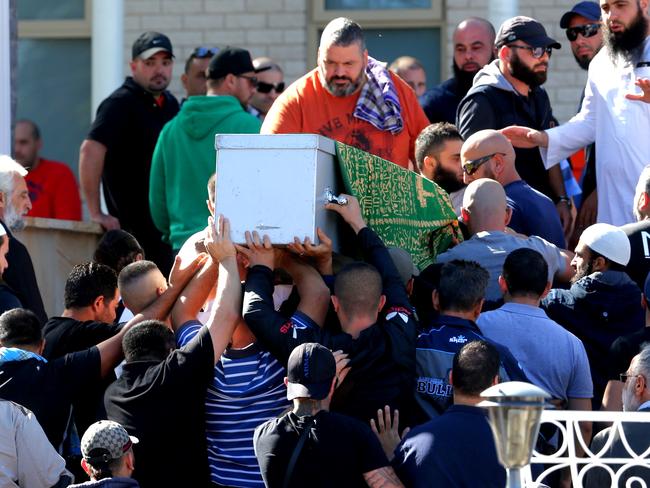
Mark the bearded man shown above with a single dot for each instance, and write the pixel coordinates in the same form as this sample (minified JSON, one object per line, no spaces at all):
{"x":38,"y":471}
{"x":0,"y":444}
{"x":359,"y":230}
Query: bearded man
{"x":603,"y":302}
{"x":508,"y":91}
{"x":612,"y":114}
{"x":352,"y":98}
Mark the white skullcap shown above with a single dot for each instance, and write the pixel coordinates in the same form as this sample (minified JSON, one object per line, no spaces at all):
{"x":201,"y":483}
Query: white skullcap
{"x":608,"y":241}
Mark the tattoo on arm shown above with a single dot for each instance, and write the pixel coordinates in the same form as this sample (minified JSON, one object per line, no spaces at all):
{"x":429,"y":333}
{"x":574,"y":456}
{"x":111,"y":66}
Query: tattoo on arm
{"x":382,"y":478}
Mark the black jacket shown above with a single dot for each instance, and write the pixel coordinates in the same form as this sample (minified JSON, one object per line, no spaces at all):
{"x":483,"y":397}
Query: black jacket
{"x":598,"y":309}
{"x":382,"y":358}
{"x":493,"y":103}
{"x":441,"y":102}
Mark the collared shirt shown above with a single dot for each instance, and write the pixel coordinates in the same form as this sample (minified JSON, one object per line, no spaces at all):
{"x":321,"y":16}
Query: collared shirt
{"x":618,"y":126}
{"x":555,"y":361}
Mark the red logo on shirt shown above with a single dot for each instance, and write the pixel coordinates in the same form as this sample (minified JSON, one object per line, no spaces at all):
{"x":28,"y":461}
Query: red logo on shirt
{"x":286,"y":327}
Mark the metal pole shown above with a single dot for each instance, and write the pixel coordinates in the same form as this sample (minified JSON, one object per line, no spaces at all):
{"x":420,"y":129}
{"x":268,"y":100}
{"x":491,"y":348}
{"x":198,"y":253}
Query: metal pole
{"x":514,"y":478}
{"x":502,"y":10}
{"x":7,"y":66}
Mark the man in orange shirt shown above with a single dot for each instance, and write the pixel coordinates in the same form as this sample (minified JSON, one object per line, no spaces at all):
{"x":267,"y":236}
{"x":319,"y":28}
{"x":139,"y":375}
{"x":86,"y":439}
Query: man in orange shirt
{"x":52,"y":186}
{"x":352,"y":98}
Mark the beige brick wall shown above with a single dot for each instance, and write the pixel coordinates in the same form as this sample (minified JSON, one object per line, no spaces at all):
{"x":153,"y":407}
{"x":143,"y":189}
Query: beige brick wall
{"x":565,"y":79}
{"x":278,"y":28}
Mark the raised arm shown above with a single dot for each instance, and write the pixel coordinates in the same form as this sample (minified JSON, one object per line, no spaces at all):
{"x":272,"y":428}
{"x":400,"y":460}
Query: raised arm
{"x":91,"y":166}
{"x":195,"y":294}
{"x":110,"y":350}
{"x":227,"y":310}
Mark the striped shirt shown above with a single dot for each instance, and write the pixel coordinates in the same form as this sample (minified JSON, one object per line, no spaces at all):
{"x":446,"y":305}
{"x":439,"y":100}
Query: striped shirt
{"x":246,"y":391}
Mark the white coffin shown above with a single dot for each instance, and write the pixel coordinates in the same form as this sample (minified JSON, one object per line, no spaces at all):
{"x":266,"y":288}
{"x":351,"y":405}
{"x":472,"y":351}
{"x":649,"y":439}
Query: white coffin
{"x":276,"y":184}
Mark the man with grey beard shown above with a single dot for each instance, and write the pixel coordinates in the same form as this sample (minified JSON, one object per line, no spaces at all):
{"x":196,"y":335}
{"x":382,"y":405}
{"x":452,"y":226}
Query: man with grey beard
{"x":612,"y":112}
{"x":352,"y":98}
{"x":14,"y":205}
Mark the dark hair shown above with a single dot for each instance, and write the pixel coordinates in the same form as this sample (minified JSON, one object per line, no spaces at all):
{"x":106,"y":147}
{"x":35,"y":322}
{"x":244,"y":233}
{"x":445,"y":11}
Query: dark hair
{"x":474,"y":367}
{"x":20,"y":327}
{"x":525,"y":272}
{"x":430,"y":141}
{"x":462,"y":285}
{"x":134,"y":271}
{"x":116,"y":249}
{"x":103,"y":470}
{"x":148,"y":340}
{"x":358,"y":287}
{"x":207,"y":53}
{"x":611,"y":265}
{"x":36,"y":132}
{"x":343,"y":32}
{"x":86,"y":282}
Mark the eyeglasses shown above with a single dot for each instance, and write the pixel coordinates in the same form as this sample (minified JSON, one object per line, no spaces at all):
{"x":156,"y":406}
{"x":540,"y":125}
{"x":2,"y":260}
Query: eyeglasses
{"x":267,"y":87}
{"x":536,"y":52}
{"x":204,"y":52}
{"x":251,"y":79}
{"x":624,"y":376}
{"x":472,"y":166}
{"x":587,"y":30}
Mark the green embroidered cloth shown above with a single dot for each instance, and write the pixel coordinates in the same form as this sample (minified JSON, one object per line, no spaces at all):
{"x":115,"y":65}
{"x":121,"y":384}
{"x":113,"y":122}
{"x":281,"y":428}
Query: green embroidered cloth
{"x":405,"y":209}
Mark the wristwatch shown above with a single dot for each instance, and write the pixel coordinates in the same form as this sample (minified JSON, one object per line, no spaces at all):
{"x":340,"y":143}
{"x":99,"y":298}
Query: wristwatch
{"x":564,"y":199}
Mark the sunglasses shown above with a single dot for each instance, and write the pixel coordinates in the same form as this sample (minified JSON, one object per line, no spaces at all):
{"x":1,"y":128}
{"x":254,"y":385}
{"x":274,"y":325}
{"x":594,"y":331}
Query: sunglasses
{"x":536,"y":52}
{"x":472,"y":166}
{"x":624,"y":376}
{"x":251,"y":79}
{"x":267,"y":87}
{"x":587,"y":30}
{"x":204,"y":52}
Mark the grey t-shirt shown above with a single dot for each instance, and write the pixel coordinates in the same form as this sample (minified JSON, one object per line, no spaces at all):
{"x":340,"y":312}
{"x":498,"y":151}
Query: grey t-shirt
{"x":490,"y":249}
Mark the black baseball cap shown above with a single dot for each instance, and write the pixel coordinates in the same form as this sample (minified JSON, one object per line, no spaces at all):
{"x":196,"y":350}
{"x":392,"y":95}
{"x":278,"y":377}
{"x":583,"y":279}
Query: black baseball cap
{"x":150,"y":43}
{"x":232,"y":60}
{"x":310,"y":371}
{"x":525,"y":29}
{"x":588,"y":10}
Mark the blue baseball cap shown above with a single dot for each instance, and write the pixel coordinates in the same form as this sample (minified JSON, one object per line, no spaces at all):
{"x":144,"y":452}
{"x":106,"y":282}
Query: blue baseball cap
{"x":588,"y":10}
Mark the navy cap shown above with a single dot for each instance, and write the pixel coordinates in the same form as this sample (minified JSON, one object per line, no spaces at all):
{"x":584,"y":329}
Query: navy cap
{"x":588,"y":10}
{"x":310,"y":371}
{"x":524,"y":29}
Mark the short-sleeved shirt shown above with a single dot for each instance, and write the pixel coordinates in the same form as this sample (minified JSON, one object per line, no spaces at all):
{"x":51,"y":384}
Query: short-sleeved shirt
{"x":555,"y":360}
{"x":65,"y":334}
{"x":48,"y":388}
{"x":162,"y":404}
{"x":456,"y":449}
{"x":247,"y":390}
{"x":490,"y":249}
{"x":533,"y":213}
{"x":306,"y":107}
{"x":639,"y":235}
{"x":338,"y":452}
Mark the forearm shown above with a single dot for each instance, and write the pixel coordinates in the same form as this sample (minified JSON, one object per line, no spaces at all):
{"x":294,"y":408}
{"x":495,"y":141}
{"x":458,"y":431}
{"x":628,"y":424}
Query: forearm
{"x":382,"y":478}
{"x":227,"y":309}
{"x":556,"y":180}
{"x":313,"y":292}
{"x":91,"y":166}
{"x":194,"y":295}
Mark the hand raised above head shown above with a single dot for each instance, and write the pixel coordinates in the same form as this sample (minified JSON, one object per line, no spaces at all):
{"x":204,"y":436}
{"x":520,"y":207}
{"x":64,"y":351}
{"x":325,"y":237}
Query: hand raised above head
{"x":258,"y":250}
{"x":217,"y":242}
{"x":525,"y":137}
{"x":320,"y":253}
{"x":180,"y":275}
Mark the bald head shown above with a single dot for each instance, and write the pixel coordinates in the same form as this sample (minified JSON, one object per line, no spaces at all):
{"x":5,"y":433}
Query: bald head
{"x":500,"y":162}
{"x":484,"y":206}
{"x":473,"y":44}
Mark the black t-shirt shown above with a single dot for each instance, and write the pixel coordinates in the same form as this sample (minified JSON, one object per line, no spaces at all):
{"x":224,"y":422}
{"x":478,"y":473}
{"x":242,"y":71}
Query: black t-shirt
{"x":48,"y":388}
{"x":64,"y":335}
{"x":162,"y":403}
{"x":338,"y":452}
{"x":639,"y":265}
{"x":128,"y":123}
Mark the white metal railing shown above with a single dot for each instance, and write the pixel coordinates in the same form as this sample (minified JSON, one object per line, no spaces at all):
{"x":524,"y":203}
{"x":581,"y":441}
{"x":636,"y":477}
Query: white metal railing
{"x":568,"y":424}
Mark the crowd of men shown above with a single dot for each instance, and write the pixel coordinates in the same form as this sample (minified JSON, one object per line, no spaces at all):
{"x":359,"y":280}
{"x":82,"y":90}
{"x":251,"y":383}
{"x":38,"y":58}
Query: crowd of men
{"x":182,"y":359}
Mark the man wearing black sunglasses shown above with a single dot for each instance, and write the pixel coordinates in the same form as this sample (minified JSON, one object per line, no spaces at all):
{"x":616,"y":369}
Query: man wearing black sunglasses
{"x":193,"y":78}
{"x":270,"y":84}
{"x":508,"y":91}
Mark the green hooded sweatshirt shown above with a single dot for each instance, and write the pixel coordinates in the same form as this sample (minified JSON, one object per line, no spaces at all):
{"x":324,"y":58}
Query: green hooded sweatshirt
{"x":184,"y":160}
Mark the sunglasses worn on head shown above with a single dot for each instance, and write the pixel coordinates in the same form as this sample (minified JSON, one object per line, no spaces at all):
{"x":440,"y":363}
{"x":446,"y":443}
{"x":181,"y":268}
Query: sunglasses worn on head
{"x":536,"y":52}
{"x":587,"y":30}
{"x":204,"y":52}
{"x":472,"y":166}
{"x":263,"y":87}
